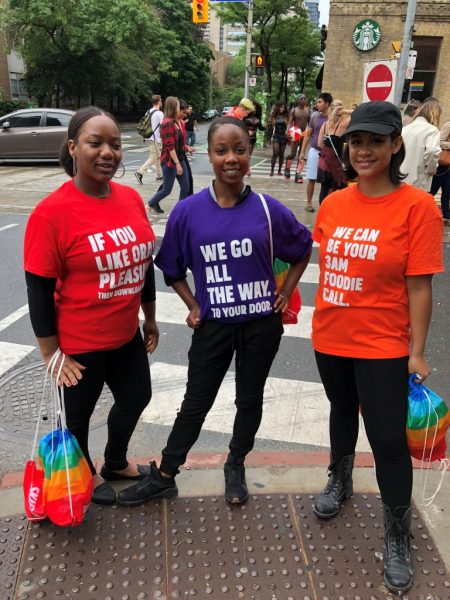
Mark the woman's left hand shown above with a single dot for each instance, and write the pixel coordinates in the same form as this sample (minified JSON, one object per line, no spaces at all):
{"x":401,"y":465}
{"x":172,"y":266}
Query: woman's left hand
{"x":281,"y":302}
{"x":419,"y":365}
{"x":151,"y":335}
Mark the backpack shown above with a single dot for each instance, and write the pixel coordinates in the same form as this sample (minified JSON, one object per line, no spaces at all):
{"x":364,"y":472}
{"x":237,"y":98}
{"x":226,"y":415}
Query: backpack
{"x":144,"y":127}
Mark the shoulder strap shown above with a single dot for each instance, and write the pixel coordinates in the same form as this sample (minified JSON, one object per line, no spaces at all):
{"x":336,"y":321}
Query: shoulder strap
{"x":269,"y":220}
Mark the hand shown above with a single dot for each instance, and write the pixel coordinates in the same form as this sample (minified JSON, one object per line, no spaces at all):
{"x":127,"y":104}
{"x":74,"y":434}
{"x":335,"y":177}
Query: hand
{"x":71,"y":372}
{"x":281,"y":302}
{"x":193,"y":319}
{"x":179,"y":169}
{"x":151,"y":335}
{"x":418,"y":365}
{"x":302,"y":156}
{"x":191,"y":149}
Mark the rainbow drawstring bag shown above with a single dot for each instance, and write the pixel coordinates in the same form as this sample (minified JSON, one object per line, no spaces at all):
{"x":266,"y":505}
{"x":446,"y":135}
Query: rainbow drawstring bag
{"x":427,"y":423}
{"x":66,"y":482}
{"x":290,"y":315}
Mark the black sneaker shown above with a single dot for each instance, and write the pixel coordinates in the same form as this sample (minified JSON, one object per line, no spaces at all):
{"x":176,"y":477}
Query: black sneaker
{"x":151,"y":487}
{"x":236,"y":491}
{"x":157,"y":209}
{"x":138,"y":177}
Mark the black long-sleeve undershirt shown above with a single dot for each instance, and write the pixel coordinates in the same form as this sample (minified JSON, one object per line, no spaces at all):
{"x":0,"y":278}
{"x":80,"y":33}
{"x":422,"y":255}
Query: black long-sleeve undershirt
{"x":41,"y":300}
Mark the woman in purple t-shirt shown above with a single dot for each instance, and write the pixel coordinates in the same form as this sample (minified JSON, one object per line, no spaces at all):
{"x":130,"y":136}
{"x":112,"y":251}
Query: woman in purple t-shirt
{"x":222,"y":236}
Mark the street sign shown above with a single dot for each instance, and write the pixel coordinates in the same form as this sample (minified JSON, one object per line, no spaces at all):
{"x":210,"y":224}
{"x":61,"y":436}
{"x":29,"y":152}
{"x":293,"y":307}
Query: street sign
{"x":252,"y":81}
{"x":409,"y":73}
{"x":379,"y":80}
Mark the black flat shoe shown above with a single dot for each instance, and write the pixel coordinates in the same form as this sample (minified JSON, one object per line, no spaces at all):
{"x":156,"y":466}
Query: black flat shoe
{"x":104,"y":494}
{"x":109,"y":475}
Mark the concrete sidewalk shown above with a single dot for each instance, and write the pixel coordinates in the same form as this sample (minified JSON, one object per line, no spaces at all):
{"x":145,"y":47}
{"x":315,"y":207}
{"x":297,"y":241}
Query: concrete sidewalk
{"x":271,"y":548}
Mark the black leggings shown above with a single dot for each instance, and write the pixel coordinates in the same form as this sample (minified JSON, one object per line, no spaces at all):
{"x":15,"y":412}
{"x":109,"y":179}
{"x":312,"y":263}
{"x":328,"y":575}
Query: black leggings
{"x":127,"y":373}
{"x":213,"y":345}
{"x":380,"y":388}
{"x":278,"y":149}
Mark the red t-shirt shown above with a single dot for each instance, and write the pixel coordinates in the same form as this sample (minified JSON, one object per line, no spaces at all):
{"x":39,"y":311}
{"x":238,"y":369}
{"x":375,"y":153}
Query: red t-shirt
{"x":99,"y":250}
{"x":368,"y":246}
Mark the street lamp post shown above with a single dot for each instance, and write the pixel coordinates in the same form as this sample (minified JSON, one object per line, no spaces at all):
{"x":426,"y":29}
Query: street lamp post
{"x":248,"y":54}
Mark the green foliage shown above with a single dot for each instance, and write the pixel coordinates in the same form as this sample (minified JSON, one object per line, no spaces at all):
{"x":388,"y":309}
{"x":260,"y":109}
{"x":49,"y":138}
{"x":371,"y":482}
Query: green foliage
{"x":125,"y":49}
{"x":283,"y":34}
{"x":7,"y":106}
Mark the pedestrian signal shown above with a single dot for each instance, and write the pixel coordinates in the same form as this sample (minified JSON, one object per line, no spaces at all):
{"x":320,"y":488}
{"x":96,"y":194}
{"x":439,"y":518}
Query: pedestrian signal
{"x":199,"y":11}
{"x":259,"y":61}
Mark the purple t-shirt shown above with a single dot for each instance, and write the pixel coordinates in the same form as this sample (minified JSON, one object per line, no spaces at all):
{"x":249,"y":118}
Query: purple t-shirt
{"x":315,"y":123}
{"x":228,"y":252}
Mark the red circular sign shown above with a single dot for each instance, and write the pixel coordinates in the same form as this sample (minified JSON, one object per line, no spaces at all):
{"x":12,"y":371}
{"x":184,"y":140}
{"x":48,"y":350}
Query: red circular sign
{"x":379,"y":83}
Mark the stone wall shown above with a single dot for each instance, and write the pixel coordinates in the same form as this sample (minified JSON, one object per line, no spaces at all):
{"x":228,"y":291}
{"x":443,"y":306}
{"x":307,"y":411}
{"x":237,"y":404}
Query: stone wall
{"x":344,"y":64}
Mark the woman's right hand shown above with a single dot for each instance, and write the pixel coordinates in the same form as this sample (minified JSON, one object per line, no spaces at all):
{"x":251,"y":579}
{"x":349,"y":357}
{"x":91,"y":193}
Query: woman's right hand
{"x":179,"y":169}
{"x":71,"y":371}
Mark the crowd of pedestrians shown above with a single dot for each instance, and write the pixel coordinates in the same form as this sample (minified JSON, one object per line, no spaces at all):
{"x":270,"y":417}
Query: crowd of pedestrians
{"x":89,"y":258}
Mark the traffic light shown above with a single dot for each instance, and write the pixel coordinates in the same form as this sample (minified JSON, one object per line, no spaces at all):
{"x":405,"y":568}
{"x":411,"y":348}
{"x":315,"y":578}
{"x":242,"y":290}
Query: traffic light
{"x":200,"y":11}
{"x":259,"y":64}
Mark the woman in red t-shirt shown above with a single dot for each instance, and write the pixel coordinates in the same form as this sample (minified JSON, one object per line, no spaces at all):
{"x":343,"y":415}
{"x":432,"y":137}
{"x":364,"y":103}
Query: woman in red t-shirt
{"x":380,"y":244}
{"x":89,"y":269}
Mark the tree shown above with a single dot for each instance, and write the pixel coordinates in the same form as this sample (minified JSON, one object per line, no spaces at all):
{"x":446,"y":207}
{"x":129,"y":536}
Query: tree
{"x":120,"y":48}
{"x":267,"y":15}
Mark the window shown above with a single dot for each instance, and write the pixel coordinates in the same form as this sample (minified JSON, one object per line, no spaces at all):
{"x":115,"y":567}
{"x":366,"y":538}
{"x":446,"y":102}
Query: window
{"x":428,"y":49}
{"x":18,"y":90}
{"x":31,"y":119}
{"x":57,"y":119}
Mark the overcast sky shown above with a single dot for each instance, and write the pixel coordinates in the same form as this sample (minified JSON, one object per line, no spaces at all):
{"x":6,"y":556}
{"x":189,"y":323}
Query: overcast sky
{"x":324,"y":7}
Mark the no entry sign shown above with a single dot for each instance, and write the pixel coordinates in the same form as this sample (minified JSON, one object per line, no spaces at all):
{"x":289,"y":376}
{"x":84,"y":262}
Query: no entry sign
{"x":379,"y":80}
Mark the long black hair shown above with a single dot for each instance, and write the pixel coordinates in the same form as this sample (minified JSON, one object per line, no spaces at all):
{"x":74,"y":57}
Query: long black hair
{"x":73,"y":131}
{"x":395,"y":175}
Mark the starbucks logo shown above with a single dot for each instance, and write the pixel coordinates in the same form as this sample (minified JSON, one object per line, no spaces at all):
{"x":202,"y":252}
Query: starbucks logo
{"x":366,"y":35}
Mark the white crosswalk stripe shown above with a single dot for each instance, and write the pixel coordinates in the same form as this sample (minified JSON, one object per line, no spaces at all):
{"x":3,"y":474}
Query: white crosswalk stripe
{"x":295,"y":410}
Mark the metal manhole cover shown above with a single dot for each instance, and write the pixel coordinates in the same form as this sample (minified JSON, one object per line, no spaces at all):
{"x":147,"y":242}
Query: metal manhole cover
{"x":20,"y":396}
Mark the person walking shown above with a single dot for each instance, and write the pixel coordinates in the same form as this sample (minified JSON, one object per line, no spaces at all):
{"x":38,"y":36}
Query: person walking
{"x":244,"y":108}
{"x":173,"y":160}
{"x":223,"y":234}
{"x":154,"y":142}
{"x":380,"y":242}
{"x":279,"y":119}
{"x":311,"y":137}
{"x":442,"y":178}
{"x":88,"y":266}
{"x":298,"y":117}
{"x":422,"y":145}
{"x":191,"y":126}
{"x":254,"y":124}
{"x":330,"y":172}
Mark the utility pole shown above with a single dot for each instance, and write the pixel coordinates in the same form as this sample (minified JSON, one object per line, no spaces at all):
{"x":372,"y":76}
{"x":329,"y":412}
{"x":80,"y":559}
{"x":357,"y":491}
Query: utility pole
{"x":404,"y":53}
{"x":248,"y":54}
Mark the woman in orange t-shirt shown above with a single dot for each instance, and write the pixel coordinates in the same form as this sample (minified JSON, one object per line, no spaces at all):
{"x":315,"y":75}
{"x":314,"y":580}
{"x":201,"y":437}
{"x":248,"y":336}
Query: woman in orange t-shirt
{"x":380,"y":243}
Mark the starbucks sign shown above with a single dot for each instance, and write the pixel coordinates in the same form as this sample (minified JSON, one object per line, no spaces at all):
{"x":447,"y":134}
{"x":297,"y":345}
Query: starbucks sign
{"x":366,"y":35}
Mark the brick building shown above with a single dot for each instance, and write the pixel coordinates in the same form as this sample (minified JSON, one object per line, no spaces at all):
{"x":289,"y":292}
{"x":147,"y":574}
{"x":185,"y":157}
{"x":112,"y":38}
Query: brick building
{"x":344,"y":62}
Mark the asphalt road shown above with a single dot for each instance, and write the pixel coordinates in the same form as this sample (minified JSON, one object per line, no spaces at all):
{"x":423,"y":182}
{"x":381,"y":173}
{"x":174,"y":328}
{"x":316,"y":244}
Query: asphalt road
{"x":296,"y":408}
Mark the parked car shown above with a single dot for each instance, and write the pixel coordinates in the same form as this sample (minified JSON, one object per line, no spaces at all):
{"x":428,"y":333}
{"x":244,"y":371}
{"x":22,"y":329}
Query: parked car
{"x":209,"y":114}
{"x":33,"y":134}
{"x":226,"y":108}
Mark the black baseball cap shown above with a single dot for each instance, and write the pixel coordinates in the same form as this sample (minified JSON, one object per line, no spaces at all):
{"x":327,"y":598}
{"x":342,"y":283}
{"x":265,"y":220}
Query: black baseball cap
{"x":375,"y":117}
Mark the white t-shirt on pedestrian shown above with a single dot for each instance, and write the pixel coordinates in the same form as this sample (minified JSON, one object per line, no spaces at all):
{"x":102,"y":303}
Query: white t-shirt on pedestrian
{"x":157,"y":117}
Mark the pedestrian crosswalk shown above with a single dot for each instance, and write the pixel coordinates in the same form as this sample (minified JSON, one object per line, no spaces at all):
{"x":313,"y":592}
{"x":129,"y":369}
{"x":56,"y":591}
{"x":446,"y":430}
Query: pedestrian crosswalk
{"x":295,"y":405}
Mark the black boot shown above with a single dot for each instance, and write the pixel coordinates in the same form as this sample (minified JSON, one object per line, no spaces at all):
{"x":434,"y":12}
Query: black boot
{"x":397,"y":556}
{"x":236,"y":491}
{"x":338,"y":488}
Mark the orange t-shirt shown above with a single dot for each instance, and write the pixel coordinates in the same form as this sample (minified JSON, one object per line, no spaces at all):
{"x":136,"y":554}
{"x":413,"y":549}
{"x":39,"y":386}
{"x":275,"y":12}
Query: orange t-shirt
{"x":368,"y":246}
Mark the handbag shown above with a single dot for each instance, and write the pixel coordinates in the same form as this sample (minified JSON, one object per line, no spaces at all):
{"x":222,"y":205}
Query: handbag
{"x":428,"y":420}
{"x":65,"y":479}
{"x":280,"y":269}
{"x":444,"y":158}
